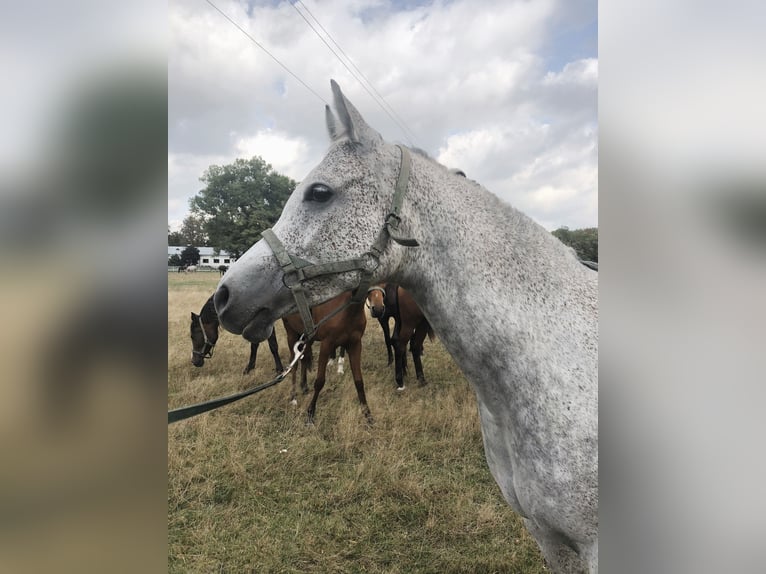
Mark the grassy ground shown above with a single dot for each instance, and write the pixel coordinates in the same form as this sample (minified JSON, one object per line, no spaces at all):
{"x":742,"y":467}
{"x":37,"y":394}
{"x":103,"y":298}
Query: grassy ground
{"x":252,"y":489}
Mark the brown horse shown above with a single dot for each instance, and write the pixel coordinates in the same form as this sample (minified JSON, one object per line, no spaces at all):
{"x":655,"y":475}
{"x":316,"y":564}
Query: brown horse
{"x":343,"y":330}
{"x":410,"y":326}
{"x":204,"y":336}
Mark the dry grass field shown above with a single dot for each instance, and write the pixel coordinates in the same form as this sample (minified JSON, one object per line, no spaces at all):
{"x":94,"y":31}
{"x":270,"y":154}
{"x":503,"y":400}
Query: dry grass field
{"x":251,"y":488}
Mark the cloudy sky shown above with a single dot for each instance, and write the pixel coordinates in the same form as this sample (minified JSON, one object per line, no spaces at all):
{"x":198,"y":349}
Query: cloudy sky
{"x":506,"y":91}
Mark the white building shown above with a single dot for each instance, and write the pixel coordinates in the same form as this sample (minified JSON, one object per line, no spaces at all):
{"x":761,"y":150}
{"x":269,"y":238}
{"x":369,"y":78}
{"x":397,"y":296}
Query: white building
{"x":207,"y":256}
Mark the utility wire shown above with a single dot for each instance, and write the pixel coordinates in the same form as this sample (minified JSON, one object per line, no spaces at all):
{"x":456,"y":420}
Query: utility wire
{"x":265,"y":50}
{"x":377,"y":96}
{"x":390,"y":107}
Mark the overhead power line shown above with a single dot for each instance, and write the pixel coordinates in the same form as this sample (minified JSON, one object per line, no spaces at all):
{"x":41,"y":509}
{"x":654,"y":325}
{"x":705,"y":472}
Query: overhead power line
{"x":377,"y":97}
{"x":272,"y":56}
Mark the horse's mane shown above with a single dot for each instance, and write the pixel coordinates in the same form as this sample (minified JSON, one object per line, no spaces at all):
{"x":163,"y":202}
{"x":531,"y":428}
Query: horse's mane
{"x":208,"y":314}
{"x":421,"y":152}
{"x":524,"y":219}
{"x":424,"y":154}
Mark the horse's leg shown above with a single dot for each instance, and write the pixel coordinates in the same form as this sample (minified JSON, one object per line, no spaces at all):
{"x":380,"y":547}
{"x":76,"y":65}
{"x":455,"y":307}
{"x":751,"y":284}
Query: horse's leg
{"x":402,"y":338}
{"x":291,"y":340}
{"x":308,"y":357}
{"x":324,"y":355}
{"x":355,"y":359}
{"x":341,"y":355}
{"x":400,"y":355}
{"x":293,"y":393}
{"x":561,"y":553}
{"x":416,"y":348}
{"x":274,"y":348}
{"x":387,"y":337}
{"x":251,"y":363}
{"x":400,"y":351}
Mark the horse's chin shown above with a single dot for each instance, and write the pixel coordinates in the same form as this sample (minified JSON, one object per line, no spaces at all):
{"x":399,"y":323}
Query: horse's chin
{"x":259,"y":328}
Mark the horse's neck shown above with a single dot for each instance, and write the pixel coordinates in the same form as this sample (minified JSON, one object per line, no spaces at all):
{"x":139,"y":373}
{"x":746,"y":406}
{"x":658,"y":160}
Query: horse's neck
{"x":208,"y":313}
{"x":497,"y":288}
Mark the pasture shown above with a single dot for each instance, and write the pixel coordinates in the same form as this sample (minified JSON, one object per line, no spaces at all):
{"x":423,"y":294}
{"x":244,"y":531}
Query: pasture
{"x":251,"y":488}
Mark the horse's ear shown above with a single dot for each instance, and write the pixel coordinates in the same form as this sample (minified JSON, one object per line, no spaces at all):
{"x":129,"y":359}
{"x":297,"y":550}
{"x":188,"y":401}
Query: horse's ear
{"x":194,"y":316}
{"x":332,"y":127}
{"x":353,"y":124}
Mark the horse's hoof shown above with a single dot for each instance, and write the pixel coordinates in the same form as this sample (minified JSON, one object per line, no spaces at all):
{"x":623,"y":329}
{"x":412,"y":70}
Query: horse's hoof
{"x":294,"y":402}
{"x":399,"y":389}
{"x":422,"y":382}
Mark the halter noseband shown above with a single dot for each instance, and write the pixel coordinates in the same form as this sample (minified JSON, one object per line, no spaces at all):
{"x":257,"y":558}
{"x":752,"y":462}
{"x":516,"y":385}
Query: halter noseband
{"x":296,"y":271}
{"x":207,"y":349}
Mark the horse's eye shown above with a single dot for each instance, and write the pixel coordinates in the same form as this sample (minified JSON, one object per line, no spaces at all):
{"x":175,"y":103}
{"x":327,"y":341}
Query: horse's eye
{"x":319,"y":192}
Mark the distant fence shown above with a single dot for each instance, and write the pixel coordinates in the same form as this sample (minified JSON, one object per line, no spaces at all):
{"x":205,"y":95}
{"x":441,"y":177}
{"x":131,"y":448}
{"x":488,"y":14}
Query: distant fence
{"x":203,"y":269}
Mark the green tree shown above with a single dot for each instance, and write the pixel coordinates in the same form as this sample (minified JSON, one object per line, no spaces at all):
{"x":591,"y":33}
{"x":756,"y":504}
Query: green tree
{"x":190,"y":256}
{"x":239,"y":201}
{"x":193,"y":231}
{"x":175,"y":260}
{"x":176,"y":238}
{"x":583,"y":241}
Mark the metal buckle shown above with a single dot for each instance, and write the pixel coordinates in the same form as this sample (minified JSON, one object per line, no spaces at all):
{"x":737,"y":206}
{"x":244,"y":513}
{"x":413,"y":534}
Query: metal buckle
{"x":298,"y":278}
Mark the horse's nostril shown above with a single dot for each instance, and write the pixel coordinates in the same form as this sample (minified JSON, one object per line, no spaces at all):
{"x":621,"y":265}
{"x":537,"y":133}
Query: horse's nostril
{"x":220,"y":298}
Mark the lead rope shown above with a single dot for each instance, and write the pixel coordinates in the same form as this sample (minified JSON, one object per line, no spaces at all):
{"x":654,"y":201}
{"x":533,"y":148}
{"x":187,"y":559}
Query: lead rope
{"x":180,"y":414}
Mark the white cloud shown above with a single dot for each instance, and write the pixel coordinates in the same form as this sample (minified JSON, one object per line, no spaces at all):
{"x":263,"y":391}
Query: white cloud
{"x":287,"y":155}
{"x":582,"y":72}
{"x":469,"y":78}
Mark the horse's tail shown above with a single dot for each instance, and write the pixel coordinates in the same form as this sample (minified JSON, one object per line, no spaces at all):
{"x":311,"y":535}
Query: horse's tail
{"x":430,"y":332}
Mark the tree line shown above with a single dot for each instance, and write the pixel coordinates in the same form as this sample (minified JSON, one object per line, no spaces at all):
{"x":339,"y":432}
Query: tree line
{"x":583,"y":241}
{"x":243,"y":198}
{"x":238,"y":202}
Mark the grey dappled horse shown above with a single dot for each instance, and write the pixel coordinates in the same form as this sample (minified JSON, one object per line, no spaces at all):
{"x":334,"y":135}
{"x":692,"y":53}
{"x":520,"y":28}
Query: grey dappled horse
{"x":527,"y":310}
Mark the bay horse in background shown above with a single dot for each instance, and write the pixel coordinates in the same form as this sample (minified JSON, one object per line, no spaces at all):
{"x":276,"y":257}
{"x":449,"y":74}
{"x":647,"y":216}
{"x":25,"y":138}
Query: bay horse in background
{"x":383,"y":310}
{"x":511,"y":303}
{"x":222,"y":269}
{"x":204,"y":336}
{"x":410,"y":326}
{"x":344,"y":330}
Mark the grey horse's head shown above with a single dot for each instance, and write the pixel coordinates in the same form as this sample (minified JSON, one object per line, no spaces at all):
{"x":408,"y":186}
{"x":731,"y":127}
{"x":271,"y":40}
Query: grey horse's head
{"x":335,"y":213}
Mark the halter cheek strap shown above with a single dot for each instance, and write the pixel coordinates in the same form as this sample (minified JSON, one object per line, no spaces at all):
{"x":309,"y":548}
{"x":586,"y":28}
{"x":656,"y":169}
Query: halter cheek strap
{"x":393,"y":219}
{"x":296,"y":271}
{"x":210,"y":346}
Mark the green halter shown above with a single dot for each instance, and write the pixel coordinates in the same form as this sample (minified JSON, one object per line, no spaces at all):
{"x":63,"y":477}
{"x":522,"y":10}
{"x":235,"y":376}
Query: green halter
{"x":297,"y":271}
